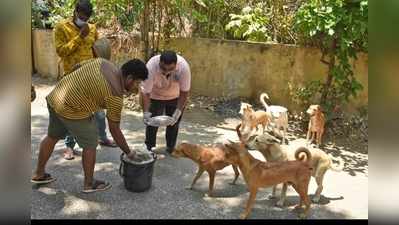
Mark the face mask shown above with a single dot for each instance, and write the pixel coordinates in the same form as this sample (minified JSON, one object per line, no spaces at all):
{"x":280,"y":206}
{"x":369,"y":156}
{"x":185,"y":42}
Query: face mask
{"x":79,"y":22}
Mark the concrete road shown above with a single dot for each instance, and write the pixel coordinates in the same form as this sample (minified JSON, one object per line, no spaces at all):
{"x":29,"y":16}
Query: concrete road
{"x":345,"y":194}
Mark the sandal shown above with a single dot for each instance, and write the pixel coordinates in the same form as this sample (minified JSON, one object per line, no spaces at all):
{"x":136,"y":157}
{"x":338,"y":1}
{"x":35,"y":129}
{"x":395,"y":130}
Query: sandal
{"x":98,"y":186}
{"x":68,"y":154}
{"x":44,"y":180}
{"x":108,"y":143}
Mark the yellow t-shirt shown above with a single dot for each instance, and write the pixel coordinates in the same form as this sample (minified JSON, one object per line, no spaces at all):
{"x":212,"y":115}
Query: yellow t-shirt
{"x":70,"y":46}
{"x":85,"y":91}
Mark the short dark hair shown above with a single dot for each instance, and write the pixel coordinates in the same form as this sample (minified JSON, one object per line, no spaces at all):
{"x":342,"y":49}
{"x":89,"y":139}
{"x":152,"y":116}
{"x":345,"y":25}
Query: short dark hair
{"x":168,"y":57}
{"x":84,"y":6}
{"x":135,"y":68}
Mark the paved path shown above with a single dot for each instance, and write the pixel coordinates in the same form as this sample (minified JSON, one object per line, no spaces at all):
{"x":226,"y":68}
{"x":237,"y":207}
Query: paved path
{"x":345,"y":194}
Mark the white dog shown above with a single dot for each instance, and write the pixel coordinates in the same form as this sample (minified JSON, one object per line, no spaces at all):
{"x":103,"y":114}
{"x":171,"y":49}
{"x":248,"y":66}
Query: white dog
{"x":278,"y":117}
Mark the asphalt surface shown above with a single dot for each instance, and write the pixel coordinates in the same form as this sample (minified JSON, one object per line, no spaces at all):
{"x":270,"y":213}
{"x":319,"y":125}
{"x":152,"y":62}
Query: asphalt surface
{"x":345,"y":194}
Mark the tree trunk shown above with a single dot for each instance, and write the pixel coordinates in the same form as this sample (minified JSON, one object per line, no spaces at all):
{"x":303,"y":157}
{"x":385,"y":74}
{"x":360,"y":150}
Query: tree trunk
{"x":146,"y":26}
{"x":330,"y":76}
{"x":159,"y":26}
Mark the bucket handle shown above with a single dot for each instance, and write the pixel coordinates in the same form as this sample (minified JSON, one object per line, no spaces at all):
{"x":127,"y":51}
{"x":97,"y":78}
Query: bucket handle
{"x":120,"y":167}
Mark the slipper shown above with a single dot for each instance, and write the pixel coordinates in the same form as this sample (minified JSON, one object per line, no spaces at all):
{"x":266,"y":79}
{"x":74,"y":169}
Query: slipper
{"x":68,"y":155}
{"x":108,"y":143}
{"x":96,"y":186}
{"x":44,"y":180}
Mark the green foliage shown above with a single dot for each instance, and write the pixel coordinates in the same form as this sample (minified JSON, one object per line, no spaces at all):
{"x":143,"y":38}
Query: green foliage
{"x":126,"y":12}
{"x":339,"y":29}
{"x":250,"y":25}
{"x":270,"y":20}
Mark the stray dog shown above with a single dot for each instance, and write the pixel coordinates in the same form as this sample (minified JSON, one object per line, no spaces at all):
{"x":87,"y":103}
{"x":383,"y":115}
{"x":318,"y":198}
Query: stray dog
{"x":259,"y":174}
{"x":209,"y":159}
{"x":251,"y":119}
{"x":272,"y":151}
{"x":316,"y":124}
{"x":278,"y":116}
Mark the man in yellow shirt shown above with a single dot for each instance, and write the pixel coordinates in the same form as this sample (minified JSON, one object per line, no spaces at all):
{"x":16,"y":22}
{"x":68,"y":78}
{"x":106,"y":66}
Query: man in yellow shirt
{"x":74,"y":39}
{"x":101,"y":85}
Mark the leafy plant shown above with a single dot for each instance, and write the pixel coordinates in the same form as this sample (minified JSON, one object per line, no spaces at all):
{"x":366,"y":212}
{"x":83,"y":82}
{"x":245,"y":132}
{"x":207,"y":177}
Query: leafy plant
{"x":250,"y":24}
{"x":40,"y":15}
{"x":339,"y":29}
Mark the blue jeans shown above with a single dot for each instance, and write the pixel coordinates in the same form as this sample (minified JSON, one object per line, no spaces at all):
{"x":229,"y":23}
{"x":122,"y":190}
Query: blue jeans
{"x":100,"y":121}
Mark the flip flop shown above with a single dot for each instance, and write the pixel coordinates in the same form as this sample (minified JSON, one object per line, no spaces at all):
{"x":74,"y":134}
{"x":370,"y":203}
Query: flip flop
{"x":68,"y":155}
{"x":44,"y":180}
{"x":108,"y":143}
{"x":96,"y":186}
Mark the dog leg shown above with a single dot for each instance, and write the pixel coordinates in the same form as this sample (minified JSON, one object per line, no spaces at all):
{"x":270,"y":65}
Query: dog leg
{"x":312,"y":137}
{"x":302,"y":190}
{"x":198,"y":175}
{"x":284,"y":133}
{"x":237,"y":173}
{"x":308,"y":136}
{"x":280,"y":203}
{"x":273,"y":194}
{"x":211,"y":182}
{"x":320,"y":136}
{"x":250,"y":202}
{"x":319,"y":180}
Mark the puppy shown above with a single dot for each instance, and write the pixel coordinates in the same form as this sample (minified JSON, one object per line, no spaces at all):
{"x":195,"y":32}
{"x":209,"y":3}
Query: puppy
{"x":278,"y":117}
{"x":259,"y":174}
{"x":272,"y":151}
{"x":316,"y":124}
{"x":209,"y":159}
{"x":251,"y":119}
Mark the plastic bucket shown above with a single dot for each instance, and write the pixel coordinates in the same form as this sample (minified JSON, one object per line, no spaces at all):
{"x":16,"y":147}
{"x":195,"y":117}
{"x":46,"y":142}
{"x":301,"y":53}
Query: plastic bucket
{"x":137,"y":178}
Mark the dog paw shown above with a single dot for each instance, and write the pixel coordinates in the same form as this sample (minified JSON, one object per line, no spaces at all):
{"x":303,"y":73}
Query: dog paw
{"x":280,"y":204}
{"x":302,"y":216}
{"x":210,"y":195}
{"x":243,"y":216}
{"x":316,"y":199}
{"x":297,"y":207}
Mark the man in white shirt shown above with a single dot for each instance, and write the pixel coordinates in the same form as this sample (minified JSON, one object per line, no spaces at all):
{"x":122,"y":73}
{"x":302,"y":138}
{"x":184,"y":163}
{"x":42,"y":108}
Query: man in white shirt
{"x":165,"y":92}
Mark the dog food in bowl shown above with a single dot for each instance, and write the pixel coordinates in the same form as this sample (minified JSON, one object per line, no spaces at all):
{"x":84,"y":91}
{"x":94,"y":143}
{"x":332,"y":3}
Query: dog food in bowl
{"x":158,"y":121}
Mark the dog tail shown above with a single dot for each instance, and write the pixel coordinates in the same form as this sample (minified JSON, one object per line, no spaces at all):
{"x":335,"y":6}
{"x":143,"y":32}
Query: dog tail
{"x":334,"y":167}
{"x":262,"y":100}
{"x":303,"y":150}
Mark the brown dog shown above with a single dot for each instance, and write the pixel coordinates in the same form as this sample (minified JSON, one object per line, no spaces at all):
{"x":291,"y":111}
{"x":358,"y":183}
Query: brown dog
{"x":259,"y":174}
{"x":272,"y":151}
{"x":251,"y":119}
{"x":316,"y":124}
{"x":209,"y":159}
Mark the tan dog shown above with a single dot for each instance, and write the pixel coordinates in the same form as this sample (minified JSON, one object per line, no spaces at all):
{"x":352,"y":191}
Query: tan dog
{"x":209,"y":159}
{"x":278,"y":117}
{"x":272,"y":151}
{"x":316,"y":124}
{"x":258,"y":174}
{"x":251,"y":119}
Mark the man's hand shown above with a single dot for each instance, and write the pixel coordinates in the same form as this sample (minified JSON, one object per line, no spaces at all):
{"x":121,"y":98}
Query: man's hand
{"x":84,"y":30}
{"x":131,"y":155}
{"x":146,"y":117}
{"x":176,"y":116}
